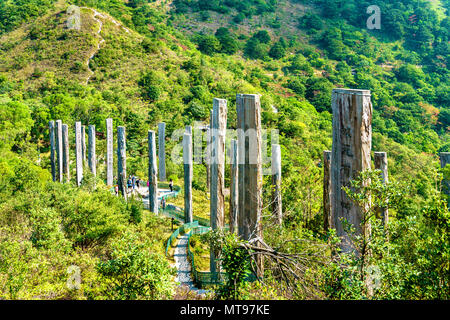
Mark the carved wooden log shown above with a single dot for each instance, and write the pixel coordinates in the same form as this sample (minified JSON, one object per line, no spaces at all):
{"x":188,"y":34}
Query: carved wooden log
{"x":78,"y":153}
{"x":92,"y":159}
{"x":109,"y":153}
{"x":352,"y":143}
{"x":83,"y":142}
{"x":121,"y":161}
{"x":208,"y":159}
{"x":277,"y":208}
{"x":234,"y":195}
{"x":327,"y":215}
{"x":162,"y":150}
{"x":59,"y":150}
{"x":250,"y":171}
{"x":66,"y":159}
{"x":188,"y":173}
{"x":198,"y":141}
{"x":152,"y":173}
{"x":381,"y":163}
{"x":217,"y":202}
{"x":51,"y":129}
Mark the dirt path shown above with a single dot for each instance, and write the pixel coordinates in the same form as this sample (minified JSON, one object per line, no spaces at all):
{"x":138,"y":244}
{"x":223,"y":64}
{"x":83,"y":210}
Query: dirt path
{"x":100,"y":23}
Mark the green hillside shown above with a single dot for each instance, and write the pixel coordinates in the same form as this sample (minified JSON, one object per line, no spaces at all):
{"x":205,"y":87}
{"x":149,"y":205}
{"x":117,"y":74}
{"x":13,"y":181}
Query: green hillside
{"x":142,"y":62}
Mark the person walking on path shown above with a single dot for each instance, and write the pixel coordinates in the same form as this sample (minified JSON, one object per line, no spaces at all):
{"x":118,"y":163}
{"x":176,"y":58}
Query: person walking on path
{"x":163,"y":203}
{"x":171,"y":185}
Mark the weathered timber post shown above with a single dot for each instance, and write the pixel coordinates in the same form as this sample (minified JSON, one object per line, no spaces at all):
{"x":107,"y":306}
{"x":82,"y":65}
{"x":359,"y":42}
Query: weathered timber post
{"x":217,"y":197}
{"x":162,"y":150}
{"x":197,"y":141}
{"x":109,"y":153}
{"x":445,"y":159}
{"x":208,"y":158}
{"x":277,"y":208}
{"x":188,"y":173}
{"x":92,"y":159}
{"x":83,"y":142}
{"x":234,"y":195}
{"x":250,"y":169}
{"x":327,"y":215}
{"x":121,"y":161}
{"x":78,"y":153}
{"x":381,"y":163}
{"x":59,"y":149}
{"x":152,"y":173}
{"x":66,"y":159}
{"x":352,"y":143}
{"x":51,"y":129}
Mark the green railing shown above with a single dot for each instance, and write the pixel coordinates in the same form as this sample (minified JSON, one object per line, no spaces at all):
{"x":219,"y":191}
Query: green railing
{"x":180,"y":230}
{"x":203,"y":279}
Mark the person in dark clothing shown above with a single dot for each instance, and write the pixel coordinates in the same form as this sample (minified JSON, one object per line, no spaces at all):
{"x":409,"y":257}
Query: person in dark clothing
{"x":171,"y":185}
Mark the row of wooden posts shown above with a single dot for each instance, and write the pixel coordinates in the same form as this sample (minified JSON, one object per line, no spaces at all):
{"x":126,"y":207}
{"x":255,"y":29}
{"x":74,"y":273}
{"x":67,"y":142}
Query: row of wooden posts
{"x":350,"y":155}
{"x":246,"y":176}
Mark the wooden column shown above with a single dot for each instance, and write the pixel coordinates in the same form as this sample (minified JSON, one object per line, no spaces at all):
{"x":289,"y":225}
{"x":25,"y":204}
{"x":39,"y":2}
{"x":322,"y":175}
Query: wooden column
{"x":83,"y":142}
{"x":152,"y":173}
{"x":59,"y":150}
{"x":217,"y":197}
{"x":78,"y":153}
{"x":66,"y":159}
{"x":445,"y":159}
{"x":250,"y":171}
{"x":198,"y":143}
{"x":327,"y":216}
{"x":109,"y":153}
{"x":121,"y":161}
{"x":208,"y":159}
{"x":188,"y":173}
{"x":92,"y":159}
{"x":277,"y":208}
{"x":381,"y":163}
{"x":51,"y":129}
{"x":234,"y":195}
{"x":162,"y":150}
{"x":352,"y":143}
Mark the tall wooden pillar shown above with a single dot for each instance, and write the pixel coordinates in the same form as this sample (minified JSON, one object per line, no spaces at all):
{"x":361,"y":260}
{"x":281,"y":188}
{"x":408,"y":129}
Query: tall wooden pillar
{"x":83,"y":142}
{"x":109,"y":153}
{"x":250,"y":169}
{"x":188,"y":173}
{"x":51,"y":129}
{"x":78,"y":153}
{"x":352,"y":143}
{"x":277,"y":208}
{"x":121,"y":161}
{"x":162,"y":150}
{"x":66,"y":159}
{"x":217,"y":202}
{"x":327,"y":215}
{"x":234,"y":187}
{"x":208,"y":159}
{"x":59,"y":150}
{"x":152,"y":173}
{"x":381,"y":163}
{"x":92,"y":159}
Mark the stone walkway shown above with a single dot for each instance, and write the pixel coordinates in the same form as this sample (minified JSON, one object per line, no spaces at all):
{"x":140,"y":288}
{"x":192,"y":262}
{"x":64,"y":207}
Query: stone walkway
{"x":183,"y":265}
